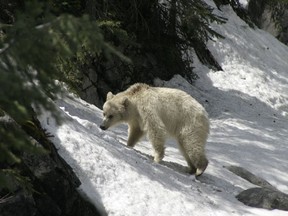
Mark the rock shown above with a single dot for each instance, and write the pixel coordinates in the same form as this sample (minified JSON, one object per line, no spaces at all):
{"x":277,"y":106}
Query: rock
{"x":245,"y":174}
{"x":264,"y":198}
{"x":54,"y":191}
{"x":13,"y":205}
{"x":270,"y":17}
{"x":55,"y":186}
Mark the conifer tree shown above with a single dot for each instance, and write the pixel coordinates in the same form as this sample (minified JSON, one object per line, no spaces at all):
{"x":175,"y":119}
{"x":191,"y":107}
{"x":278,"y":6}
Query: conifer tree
{"x":32,"y":41}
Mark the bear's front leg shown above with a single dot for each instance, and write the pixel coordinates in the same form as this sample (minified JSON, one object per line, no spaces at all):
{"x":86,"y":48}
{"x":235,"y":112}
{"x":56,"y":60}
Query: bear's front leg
{"x":135,"y":134}
{"x":157,"y":141}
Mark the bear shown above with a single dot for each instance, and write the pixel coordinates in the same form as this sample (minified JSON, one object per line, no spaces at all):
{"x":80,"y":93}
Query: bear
{"x":161,"y":113}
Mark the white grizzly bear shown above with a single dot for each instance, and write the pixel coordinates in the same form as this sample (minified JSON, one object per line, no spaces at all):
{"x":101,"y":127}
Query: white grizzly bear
{"x":161,"y":113}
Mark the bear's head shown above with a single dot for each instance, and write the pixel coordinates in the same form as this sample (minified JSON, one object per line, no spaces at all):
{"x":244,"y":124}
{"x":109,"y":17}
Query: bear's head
{"x":114,"y":110}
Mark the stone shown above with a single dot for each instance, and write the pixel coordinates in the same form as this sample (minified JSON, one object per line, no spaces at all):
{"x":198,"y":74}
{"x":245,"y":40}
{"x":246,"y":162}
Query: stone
{"x":264,"y":198}
{"x":55,"y":186}
{"x":271,"y":18}
{"x":245,"y":174}
{"x":14,"y":204}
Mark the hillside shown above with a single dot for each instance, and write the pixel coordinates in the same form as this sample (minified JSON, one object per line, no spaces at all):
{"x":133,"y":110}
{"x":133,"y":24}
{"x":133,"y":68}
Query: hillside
{"x":247,"y":103}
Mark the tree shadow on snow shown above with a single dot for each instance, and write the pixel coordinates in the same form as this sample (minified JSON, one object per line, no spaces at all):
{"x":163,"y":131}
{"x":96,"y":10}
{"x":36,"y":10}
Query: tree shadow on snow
{"x":95,"y":199}
{"x":227,"y":142}
{"x":178,"y":175}
{"x":256,"y":139}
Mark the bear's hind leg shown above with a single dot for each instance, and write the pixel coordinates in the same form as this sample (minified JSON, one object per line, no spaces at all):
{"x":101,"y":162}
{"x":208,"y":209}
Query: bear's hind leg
{"x":192,"y":168}
{"x":196,"y":153}
{"x":201,"y":165}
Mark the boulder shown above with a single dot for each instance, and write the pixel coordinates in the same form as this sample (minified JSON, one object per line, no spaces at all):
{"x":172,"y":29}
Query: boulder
{"x":247,"y":175}
{"x":264,"y":198}
{"x":46,"y":185}
{"x":270,"y":17}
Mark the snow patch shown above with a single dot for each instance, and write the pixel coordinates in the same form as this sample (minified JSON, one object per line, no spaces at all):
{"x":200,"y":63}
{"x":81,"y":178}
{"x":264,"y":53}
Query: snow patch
{"x":247,"y":103}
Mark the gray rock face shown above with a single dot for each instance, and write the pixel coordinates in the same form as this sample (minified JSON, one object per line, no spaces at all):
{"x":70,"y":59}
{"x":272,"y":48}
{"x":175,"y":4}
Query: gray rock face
{"x":55,"y":191}
{"x":55,"y":186}
{"x":270,"y":17}
{"x":245,"y":174}
{"x":19,"y":204}
{"x":264,"y":198}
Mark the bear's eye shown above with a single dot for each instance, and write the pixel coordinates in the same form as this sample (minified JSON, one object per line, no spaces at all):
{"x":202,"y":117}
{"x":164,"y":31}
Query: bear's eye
{"x":110,"y":116}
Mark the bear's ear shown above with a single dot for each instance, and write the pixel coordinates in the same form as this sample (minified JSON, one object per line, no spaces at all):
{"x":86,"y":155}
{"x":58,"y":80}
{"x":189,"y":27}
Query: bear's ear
{"x":109,"y":96}
{"x":125,"y":101}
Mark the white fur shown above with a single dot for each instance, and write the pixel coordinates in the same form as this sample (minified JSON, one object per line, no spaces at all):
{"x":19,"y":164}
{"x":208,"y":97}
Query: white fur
{"x":161,"y":113}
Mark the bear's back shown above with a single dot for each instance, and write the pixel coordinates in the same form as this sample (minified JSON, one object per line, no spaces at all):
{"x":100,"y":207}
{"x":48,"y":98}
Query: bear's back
{"x":137,"y":88}
{"x":163,"y":97}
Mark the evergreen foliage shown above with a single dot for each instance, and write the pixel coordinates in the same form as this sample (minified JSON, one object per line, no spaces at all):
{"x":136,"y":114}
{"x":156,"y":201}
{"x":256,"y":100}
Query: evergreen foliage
{"x":43,"y":41}
{"x":30,"y":49}
{"x":143,"y":30}
{"x":238,"y":8}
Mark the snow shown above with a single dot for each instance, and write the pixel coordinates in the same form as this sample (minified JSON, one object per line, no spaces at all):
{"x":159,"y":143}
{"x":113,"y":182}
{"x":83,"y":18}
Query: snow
{"x":244,"y":3}
{"x":247,"y":103}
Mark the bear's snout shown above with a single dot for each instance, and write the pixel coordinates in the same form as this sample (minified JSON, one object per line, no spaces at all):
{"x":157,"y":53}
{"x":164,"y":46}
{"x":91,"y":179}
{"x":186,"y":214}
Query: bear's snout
{"x":103,"y":127}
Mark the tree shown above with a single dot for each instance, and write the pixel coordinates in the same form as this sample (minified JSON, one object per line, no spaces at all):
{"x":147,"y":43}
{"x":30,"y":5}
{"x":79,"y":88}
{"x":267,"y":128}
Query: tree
{"x":156,"y":35}
{"x":31,"y":44}
{"x":43,"y":41}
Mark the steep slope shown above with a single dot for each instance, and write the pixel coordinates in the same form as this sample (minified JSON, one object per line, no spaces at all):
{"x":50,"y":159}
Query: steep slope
{"x":247,"y":104}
